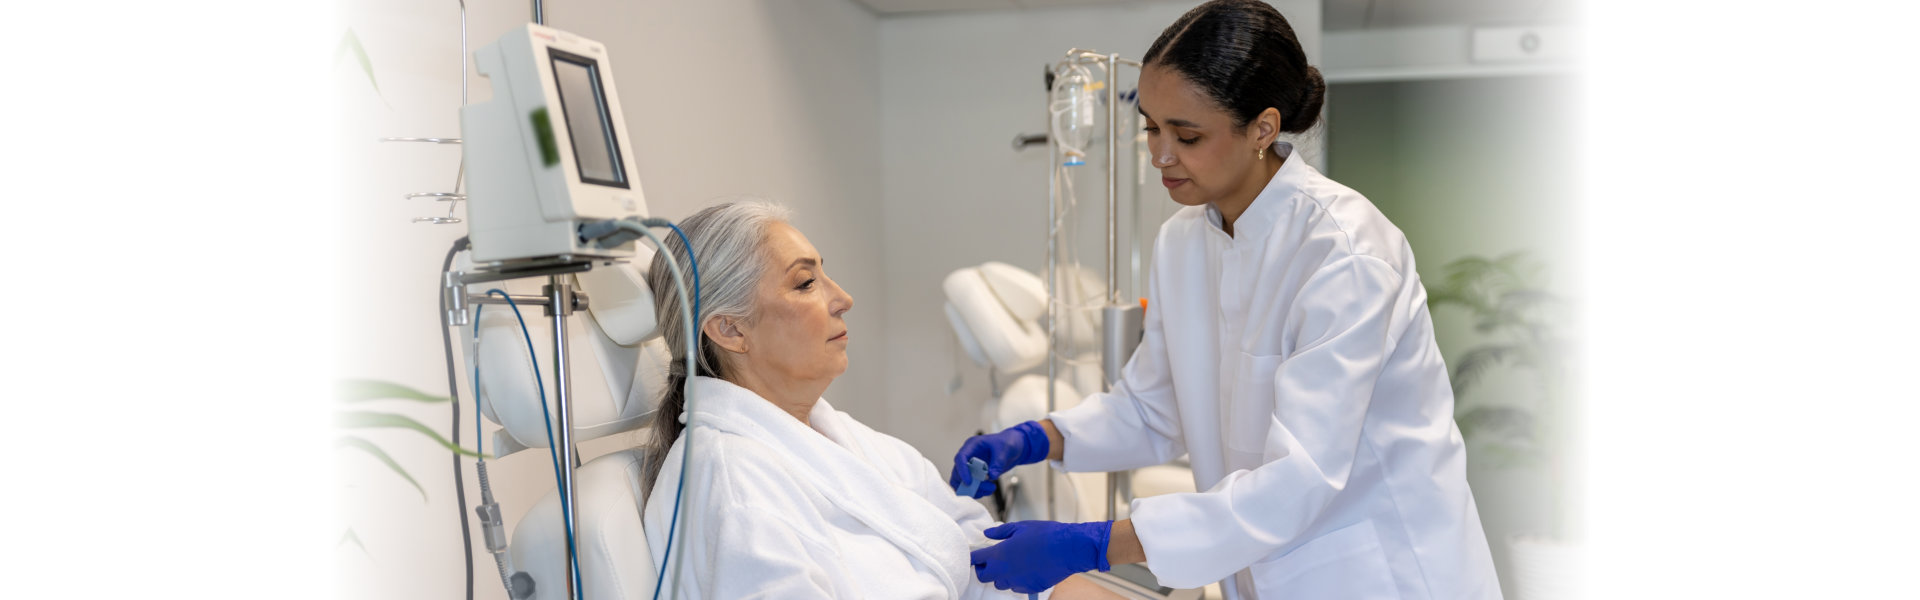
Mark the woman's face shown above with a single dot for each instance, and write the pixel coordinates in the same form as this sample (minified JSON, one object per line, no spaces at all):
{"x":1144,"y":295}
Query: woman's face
{"x":797,"y":333}
{"x":1201,"y":155}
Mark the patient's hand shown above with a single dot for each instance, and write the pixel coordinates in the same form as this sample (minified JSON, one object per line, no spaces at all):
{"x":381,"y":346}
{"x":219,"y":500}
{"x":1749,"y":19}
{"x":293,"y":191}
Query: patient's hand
{"x":1081,"y":588}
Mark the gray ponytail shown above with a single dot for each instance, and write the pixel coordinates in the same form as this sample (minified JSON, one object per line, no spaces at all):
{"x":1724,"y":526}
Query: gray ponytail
{"x":727,"y":239}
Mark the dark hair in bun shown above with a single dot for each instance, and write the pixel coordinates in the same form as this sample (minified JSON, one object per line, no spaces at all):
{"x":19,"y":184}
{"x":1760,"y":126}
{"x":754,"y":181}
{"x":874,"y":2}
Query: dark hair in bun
{"x":1246,"y":57}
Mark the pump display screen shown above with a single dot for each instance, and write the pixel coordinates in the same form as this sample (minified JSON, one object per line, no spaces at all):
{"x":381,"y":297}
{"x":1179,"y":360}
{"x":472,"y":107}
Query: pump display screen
{"x":584,"y":107}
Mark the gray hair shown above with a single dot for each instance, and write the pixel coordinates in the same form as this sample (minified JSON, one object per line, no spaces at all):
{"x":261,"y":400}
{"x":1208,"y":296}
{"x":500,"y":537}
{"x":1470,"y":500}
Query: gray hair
{"x":728,"y":240}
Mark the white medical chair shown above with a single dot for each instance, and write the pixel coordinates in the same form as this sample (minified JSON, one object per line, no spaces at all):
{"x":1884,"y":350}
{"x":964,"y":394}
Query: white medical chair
{"x":995,"y":310}
{"x":615,"y":560}
{"x":616,"y":325}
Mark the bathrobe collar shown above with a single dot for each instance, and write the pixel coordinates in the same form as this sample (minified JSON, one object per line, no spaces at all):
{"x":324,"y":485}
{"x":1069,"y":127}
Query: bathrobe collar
{"x":845,"y":468}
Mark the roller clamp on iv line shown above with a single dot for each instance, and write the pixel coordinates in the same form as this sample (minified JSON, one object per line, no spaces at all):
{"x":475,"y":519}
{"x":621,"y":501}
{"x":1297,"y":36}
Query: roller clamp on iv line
{"x":976,"y":474}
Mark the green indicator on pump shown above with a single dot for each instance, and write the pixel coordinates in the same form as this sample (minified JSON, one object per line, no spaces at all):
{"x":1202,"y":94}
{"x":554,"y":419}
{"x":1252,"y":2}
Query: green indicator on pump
{"x":543,"y":133}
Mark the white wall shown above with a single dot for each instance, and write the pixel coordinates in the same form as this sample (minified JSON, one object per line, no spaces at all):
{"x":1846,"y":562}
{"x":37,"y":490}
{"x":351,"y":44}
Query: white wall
{"x":762,"y":97}
{"x":956,"y":90}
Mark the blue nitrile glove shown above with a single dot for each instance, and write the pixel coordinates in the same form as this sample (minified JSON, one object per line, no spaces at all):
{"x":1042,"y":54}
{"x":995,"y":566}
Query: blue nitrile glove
{"x":1021,"y":444}
{"x":1038,"y":555}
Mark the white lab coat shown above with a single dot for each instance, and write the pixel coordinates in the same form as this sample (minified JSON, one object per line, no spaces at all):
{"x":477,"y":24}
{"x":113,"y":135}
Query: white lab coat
{"x":775,"y":509}
{"x":1294,"y":363}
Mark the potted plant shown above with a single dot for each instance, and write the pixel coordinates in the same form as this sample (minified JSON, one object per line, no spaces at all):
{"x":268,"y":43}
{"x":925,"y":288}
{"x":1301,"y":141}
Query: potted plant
{"x":353,"y":394}
{"x":1520,"y":324}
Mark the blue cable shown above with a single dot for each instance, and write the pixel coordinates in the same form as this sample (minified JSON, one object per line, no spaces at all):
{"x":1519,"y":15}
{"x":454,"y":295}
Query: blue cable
{"x":681,"y":487}
{"x":694,"y":265}
{"x":566,"y":514}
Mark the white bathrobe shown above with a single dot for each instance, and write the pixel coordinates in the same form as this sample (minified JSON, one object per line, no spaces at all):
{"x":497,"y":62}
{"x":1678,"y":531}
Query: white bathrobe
{"x":775,"y":509}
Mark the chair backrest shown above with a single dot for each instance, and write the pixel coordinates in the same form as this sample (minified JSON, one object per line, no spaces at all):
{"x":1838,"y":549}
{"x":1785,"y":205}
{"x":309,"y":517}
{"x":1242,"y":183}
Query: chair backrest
{"x":617,"y":329}
{"x":615,"y":561}
{"x":995,"y":309}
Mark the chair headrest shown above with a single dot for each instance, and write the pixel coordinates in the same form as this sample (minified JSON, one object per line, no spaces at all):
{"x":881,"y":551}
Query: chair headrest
{"x":619,"y":299}
{"x":632,"y":374}
{"x":994,"y":309}
{"x":1023,"y":293}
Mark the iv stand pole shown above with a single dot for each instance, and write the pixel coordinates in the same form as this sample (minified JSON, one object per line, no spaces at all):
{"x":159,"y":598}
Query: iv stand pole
{"x":1120,"y":327}
{"x":560,"y":301}
{"x":559,"y":297}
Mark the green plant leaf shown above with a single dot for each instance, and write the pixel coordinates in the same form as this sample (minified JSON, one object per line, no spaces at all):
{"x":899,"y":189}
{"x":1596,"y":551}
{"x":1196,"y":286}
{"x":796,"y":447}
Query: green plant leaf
{"x":1508,"y":304}
{"x":1463,"y":284}
{"x":1524,"y":300}
{"x":350,"y":45}
{"x":1480,"y":283}
{"x":359,"y":390}
{"x":350,"y":536}
{"x":361,"y":444}
{"x":1506,"y":422}
{"x":1502,"y":455}
{"x":366,"y":419}
{"x":1475,"y":363}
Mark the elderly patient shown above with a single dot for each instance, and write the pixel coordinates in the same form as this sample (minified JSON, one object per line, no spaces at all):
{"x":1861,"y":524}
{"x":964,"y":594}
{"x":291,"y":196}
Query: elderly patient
{"x":787,"y":497}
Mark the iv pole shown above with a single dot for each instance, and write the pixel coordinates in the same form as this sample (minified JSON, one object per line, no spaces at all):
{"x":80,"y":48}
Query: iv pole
{"x":1121,"y":323}
{"x":560,"y":300}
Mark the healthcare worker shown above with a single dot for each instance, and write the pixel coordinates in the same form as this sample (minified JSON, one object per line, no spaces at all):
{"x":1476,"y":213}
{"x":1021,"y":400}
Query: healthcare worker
{"x":1288,"y":353}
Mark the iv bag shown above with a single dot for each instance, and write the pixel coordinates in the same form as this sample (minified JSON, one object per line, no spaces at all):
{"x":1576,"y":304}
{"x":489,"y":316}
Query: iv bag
{"x":1074,"y":105}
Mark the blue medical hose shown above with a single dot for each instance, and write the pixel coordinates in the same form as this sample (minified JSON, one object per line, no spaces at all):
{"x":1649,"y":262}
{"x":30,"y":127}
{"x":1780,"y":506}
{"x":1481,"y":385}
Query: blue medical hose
{"x":566,"y":513}
{"x":688,"y":308}
{"x":615,"y":232}
{"x":681,"y":487}
{"x":692,"y":263}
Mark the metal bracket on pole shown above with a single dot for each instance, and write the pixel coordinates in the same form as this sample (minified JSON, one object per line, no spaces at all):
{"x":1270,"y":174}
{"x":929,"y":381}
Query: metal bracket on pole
{"x":454,"y":292}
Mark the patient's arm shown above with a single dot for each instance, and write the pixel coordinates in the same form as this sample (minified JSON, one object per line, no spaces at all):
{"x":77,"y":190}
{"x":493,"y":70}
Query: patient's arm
{"x":1081,"y":588}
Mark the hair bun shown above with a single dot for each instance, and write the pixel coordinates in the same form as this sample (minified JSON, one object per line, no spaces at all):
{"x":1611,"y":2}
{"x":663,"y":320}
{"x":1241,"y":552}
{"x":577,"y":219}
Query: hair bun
{"x":1244,"y":55}
{"x":1307,"y":113}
